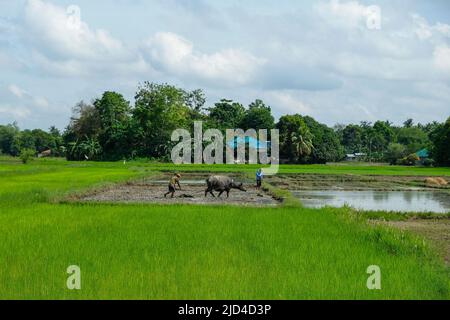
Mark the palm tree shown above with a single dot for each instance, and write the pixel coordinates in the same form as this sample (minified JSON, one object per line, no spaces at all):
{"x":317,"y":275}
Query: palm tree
{"x":302,"y":142}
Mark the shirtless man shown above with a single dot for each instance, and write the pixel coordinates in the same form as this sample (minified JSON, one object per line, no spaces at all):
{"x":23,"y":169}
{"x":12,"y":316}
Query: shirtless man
{"x":175,"y":180}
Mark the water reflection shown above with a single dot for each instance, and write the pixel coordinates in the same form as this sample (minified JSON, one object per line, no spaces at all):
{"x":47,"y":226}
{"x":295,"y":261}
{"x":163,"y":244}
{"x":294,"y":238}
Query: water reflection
{"x":401,"y":201}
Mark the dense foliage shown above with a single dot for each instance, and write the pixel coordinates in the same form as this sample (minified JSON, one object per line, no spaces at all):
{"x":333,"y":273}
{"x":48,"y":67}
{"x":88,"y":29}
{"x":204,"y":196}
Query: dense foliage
{"x":110,"y":128}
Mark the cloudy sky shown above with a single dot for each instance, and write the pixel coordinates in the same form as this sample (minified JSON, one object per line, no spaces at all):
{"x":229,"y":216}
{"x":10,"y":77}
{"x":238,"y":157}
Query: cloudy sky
{"x":338,"y":61}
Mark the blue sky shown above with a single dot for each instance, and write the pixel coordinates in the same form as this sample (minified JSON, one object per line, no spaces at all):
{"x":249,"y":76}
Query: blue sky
{"x":321,"y":58}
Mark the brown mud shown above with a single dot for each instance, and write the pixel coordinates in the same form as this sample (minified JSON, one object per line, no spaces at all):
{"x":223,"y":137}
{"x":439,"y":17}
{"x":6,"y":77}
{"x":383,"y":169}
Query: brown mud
{"x":353,"y":182}
{"x":152,"y":190}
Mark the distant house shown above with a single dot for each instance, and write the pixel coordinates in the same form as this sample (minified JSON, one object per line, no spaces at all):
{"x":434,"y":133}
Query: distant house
{"x":44,"y":154}
{"x":355,"y":156}
{"x":350,"y":157}
{"x":423,"y":154}
{"x":250,"y":141}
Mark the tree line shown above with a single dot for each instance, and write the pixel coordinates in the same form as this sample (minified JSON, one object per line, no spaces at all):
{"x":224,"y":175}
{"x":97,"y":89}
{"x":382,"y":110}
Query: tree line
{"x":110,"y":128}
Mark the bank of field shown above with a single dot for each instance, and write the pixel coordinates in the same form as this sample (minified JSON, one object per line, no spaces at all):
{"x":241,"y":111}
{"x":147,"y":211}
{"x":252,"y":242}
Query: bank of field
{"x":193,"y":252}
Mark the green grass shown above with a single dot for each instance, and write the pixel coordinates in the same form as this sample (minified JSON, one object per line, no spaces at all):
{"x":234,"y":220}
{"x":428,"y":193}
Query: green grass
{"x":8,"y":164}
{"x":193,"y":252}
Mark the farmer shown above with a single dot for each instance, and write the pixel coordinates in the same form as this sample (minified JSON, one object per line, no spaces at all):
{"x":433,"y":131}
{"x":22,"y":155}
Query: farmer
{"x":259,"y":178}
{"x":175,"y":180}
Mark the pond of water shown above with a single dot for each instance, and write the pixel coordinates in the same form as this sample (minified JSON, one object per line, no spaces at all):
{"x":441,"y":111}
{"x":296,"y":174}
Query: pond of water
{"x":401,"y":201}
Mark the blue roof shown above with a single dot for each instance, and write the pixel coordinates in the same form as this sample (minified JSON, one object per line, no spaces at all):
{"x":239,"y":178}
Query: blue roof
{"x":423,"y":153}
{"x":252,"y":142}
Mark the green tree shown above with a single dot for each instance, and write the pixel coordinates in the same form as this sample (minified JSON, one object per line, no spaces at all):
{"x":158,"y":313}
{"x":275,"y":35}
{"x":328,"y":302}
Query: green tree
{"x":386,"y":132}
{"x":26,"y":155}
{"x":441,"y":144}
{"x":352,"y":138}
{"x":90,"y":148}
{"x":195,"y":100}
{"x":395,"y":152}
{"x":8,"y":134}
{"x":295,"y":138}
{"x":327,"y":146}
{"x":258,"y":116}
{"x":159,"y":109}
{"x":85,"y":121}
{"x":412,"y":138}
{"x":226,"y":114}
{"x":23,"y":140}
{"x":115,"y":135}
{"x":60,"y":149}
{"x":408,"y":123}
{"x":43,"y":140}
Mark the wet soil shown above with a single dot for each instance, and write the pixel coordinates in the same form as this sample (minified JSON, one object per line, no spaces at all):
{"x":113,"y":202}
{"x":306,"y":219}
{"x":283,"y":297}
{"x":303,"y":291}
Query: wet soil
{"x":152,"y":190}
{"x":352,"y":182}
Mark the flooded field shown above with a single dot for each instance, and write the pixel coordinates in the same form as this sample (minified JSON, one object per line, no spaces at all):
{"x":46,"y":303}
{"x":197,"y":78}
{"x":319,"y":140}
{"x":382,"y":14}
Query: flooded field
{"x":380,"y":193}
{"x":400,"y":201}
{"x":193,"y":192}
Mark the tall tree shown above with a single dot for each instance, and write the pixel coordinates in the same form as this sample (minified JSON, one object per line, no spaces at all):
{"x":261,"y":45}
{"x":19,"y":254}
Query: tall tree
{"x":395,"y":152}
{"x":159,"y":109}
{"x":408,"y":123}
{"x":85,"y":121}
{"x":413,"y":138}
{"x":43,"y":140}
{"x":295,"y":138}
{"x":327,"y":147}
{"x":441,"y":144}
{"x":114,"y":137}
{"x":226,"y":114}
{"x":258,"y":116}
{"x":8,"y":134}
{"x":352,"y":138}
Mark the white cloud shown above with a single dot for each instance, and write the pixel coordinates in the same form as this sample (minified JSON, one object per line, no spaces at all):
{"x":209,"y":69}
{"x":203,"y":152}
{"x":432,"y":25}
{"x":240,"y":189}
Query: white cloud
{"x":425,"y":31}
{"x":41,"y":102}
{"x":171,"y":53}
{"x":288,"y":102}
{"x":14,"y":113}
{"x":349,"y":14}
{"x":66,"y":35}
{"x":18,"y":92}
{"x":441,"y":57}
{"x":65,"y":45}
{"x":27,"y":98}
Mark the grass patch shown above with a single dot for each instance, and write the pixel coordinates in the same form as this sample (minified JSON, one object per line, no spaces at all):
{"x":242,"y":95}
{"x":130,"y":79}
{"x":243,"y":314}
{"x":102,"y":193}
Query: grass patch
{"x":188,"y":252}
{"x":8,"y":163}
{"x":282,"y":195}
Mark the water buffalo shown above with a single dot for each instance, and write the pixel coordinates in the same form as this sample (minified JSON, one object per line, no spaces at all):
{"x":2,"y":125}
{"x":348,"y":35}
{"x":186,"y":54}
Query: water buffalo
{"x":222,"y":184}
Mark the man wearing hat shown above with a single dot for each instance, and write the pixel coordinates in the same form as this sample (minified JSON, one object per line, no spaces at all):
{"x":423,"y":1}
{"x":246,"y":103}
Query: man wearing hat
{"x":175,"y":180}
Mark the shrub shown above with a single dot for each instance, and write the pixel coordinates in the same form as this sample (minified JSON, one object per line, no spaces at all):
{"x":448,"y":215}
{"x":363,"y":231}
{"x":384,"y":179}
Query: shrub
{"x":27,"y":155}
{"x":410,"y":160}
{"x":428,"y":163}
{"x":395,"y":151}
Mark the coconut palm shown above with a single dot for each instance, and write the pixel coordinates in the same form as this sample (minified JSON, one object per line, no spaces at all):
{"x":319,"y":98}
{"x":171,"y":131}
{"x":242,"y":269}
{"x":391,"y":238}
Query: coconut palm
{"x":302,"y":142}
